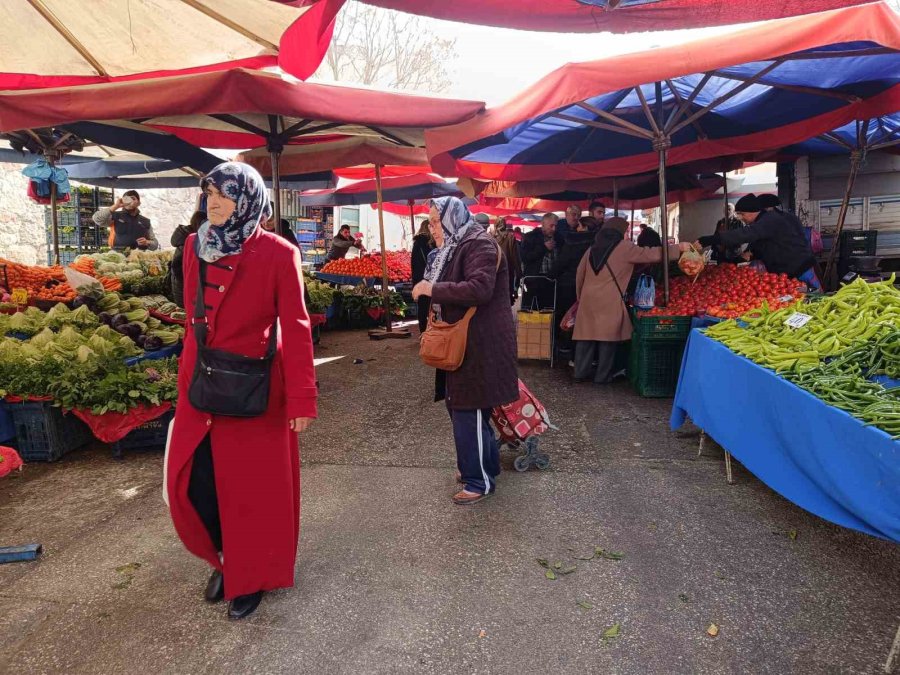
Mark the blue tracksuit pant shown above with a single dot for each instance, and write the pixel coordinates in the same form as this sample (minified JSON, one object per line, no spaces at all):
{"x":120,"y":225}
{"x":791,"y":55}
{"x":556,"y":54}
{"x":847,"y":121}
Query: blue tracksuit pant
{"x":477,"y":452}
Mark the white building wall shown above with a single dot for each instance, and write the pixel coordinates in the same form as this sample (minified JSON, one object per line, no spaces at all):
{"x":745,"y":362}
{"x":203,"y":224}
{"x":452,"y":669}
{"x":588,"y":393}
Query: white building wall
{"x":397,"y":234}
{"x":22,"y":232}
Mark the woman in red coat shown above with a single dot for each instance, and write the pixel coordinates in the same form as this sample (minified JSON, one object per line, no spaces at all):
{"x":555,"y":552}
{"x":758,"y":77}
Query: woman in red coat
{"x":234,"y":482}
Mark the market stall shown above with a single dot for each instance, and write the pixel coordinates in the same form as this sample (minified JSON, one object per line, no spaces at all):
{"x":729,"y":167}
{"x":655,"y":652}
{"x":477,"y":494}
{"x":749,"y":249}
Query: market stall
{"x":87,"y":351}
{"x":763,"y":87}
{"x":811,"y":410}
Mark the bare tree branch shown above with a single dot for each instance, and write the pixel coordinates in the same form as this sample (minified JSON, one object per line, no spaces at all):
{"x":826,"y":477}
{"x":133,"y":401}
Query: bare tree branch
{"x":374,"y":46}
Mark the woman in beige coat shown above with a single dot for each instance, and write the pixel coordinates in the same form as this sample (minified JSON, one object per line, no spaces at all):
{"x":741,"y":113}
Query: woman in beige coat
{"x":602,"y":320}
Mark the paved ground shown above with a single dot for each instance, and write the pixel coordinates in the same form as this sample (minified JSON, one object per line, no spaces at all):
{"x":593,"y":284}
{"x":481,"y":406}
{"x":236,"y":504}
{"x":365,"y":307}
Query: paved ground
{"x":392,"y":578}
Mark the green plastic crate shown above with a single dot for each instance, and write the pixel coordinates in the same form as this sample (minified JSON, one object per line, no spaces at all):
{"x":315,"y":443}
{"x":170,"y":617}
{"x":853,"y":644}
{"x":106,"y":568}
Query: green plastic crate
{"x":662,"y":327}
{"x":654,"y":364}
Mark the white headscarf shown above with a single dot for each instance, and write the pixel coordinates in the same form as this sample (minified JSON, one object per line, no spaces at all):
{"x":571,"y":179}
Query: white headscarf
{"x":456,"y":221}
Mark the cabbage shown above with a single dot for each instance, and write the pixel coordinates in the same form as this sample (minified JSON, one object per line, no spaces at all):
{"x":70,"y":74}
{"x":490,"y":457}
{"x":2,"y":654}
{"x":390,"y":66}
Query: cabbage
{"x":84,"y":354}
{"x":69,"y":337}
{"x":42,"y":339}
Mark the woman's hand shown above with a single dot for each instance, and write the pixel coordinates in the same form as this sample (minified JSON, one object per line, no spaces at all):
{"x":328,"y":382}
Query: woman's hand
{"x":300,"y":424}
{"x":420,"y":289}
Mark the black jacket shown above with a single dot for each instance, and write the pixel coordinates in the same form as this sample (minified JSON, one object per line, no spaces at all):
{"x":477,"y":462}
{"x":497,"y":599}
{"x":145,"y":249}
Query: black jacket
{"x":777,"y":241}
{"x":421,"y":247}
{"x":179,"y":236}
{"x":565,"y":267}
{"x":649,"y":238}
{"x":533,"y":252}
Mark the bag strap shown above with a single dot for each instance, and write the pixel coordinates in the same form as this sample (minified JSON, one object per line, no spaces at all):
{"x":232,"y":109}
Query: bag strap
{"x":619,"y":288}
{"x":471,"y":311}
{"x":200,"y":321}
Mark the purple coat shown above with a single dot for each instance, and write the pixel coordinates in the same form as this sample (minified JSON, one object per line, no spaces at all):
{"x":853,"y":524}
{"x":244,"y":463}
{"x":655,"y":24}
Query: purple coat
{"x":487,"y":377}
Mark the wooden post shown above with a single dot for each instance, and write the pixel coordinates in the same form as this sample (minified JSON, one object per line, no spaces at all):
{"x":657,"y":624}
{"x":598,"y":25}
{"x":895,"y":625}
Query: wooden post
{"x":661,"y":143}
{"x":725,"y":192}
{"x":631,"y":225}
{"x":54,"y":222}
{"x":855,"y":159}
{"x":386,"y":294}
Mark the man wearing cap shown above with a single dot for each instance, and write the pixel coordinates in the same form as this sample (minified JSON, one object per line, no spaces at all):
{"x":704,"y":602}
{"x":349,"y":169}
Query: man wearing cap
{"x":776,"y":241}
{"x":485,"y":221}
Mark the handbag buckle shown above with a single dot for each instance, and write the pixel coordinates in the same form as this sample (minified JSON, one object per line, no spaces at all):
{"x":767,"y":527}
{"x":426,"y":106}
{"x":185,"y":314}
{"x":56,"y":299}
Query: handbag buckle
{"x":195,"y":320}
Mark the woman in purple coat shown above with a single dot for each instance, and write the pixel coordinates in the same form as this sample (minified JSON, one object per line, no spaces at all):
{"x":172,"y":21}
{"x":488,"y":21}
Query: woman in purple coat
{"x":468,"y":270}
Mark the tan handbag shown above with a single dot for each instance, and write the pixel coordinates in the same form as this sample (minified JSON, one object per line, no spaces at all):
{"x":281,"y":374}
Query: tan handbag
{"x":443,"y":345}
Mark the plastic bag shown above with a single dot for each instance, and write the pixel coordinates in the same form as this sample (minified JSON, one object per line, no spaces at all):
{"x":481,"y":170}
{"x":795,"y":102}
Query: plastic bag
{"x":814,"y":237}
{"x":691,"y":263}
{"x":645,"y":292}
{"x":84,"y":285}
{"x":568,"y":320}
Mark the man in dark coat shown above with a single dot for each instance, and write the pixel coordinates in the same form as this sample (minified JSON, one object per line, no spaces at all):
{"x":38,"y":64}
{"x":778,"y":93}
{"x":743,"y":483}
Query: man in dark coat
{"x":565,"y":269}
{"x":179,"y":237}
{"x":469,"y":271}
{"x":539,"y":249}
{"x":774,"y":240}
{"x":648,"y":238}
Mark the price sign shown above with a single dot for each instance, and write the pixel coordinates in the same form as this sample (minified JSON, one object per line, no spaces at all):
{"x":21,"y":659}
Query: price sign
{"x":798,"y":320}
{"x":19,"y":296}
{"x":785,"y":298}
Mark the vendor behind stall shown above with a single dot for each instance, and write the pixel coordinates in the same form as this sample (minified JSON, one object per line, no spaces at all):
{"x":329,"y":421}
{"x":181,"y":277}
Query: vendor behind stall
{"x":773,"y":239}
{"x":127,"y":227}
{"x":342,"y":243}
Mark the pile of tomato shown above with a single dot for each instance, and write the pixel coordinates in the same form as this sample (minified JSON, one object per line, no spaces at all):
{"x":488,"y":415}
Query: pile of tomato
{"x":726,"y":291}
{"x":398,"y":263}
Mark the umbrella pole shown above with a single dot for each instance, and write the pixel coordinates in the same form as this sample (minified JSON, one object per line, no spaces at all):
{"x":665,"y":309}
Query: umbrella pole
{"x":664,"y":222}
{"x":54,"y":222}
{"x":855,"y":159}
{"x":616,"y":197}
{"x":725,"y":192}
{"x":386,"y":294}
{"x":412,"y":219}
{"x":276,"y":188}
{"x":631,"y":225}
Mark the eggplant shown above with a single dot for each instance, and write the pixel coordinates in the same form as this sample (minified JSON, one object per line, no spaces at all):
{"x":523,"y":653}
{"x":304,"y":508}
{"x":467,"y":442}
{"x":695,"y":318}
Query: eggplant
{"x":118,"y":320}
{"x":133,"y":330}
{"x":105,"y":317}
{"x":123,"y":329}
{"x":152,"y":343}
{"x":142,"y":342}
{"x":79,"y":301}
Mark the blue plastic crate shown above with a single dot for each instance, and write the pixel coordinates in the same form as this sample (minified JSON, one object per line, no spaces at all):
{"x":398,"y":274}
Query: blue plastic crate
{"x":7,"y":428}
{"x":164,"y":353}
{"x":44,"y":433}
{"x":149,"y":436}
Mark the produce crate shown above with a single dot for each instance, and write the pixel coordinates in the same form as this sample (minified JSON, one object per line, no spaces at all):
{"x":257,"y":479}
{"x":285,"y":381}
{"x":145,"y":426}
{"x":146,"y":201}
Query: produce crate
{"x":653,"y":366}
{"x":662,"y":327}
{"x":44,"y":433}
{"x":149,"y":436}
{"x":7,"y":428}
{"x":858,"y":242}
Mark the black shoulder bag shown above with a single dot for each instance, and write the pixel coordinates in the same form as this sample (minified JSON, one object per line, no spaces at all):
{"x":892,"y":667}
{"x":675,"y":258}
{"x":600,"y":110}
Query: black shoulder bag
{"x":224,"y":383}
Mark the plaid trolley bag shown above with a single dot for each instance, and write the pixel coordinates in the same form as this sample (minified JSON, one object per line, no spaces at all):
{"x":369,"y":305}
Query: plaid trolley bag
{"x":519,"y":424}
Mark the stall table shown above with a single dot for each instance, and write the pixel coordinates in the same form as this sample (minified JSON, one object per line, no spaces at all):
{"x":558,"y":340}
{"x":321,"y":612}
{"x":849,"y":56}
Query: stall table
{"x":817,"y":456}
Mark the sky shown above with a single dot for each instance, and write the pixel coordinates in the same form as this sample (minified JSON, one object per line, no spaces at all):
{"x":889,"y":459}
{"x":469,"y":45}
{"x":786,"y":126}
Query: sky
{"x":495,"y":64}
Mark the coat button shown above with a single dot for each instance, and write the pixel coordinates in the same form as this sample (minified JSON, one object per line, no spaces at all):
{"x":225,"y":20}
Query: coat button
{"x":221,"y":289}
{"x":209,"y":423}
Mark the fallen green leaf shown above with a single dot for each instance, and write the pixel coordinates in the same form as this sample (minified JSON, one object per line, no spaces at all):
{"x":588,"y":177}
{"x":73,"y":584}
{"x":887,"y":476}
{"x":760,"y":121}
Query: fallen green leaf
{"x":612,"y":631}
{"x":578,"y":557}
{"x":130,"y":568}
{"x":550,"y":575}
{"x":608,"y":555}
{"x":543,"y":562}
{"x":793,"y":534}
{"x":568,"y":569}
{"x":557,"y":565}
{"x":683,"y":597}
{"x":584,"y":604}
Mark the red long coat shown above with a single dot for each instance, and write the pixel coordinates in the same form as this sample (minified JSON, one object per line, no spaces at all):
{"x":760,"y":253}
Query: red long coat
{"x":256,"y":460}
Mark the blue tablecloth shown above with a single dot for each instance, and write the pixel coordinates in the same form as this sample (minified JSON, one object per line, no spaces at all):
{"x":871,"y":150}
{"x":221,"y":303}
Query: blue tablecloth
{"x":344,"y":280}
{"x":815,"y":455}
{"x":163,"y":353}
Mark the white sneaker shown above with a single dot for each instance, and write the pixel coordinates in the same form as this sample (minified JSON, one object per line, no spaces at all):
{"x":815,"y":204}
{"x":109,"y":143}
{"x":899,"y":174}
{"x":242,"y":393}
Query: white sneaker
{"x":571,"y":364}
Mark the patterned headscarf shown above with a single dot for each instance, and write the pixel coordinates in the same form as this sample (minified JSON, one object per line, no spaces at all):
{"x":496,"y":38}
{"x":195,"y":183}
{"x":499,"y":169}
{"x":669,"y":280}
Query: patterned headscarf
{"x":242,"y":184}
{"x":456,"y":221}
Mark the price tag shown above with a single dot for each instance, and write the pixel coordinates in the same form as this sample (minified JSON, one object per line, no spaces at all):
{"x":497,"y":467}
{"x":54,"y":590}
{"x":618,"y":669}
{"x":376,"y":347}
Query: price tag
{"x":19,"y":296}
{"x":785,"y":298}
{"x":797,"y":320}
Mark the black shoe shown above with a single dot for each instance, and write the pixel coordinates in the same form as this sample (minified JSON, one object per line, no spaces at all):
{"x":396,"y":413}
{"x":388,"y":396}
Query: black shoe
{"x":215,"y":587}
{"x":244,"y":605}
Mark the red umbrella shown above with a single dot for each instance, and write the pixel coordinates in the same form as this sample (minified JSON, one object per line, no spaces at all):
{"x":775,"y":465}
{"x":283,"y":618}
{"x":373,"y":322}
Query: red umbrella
{"x":591,"y":16}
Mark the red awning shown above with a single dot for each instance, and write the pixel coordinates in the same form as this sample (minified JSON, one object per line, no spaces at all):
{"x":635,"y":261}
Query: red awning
{"x":591,"y":16}
{"x":185,"y":104}
{"x":782,"y":82}
{"x":110,"y":41}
